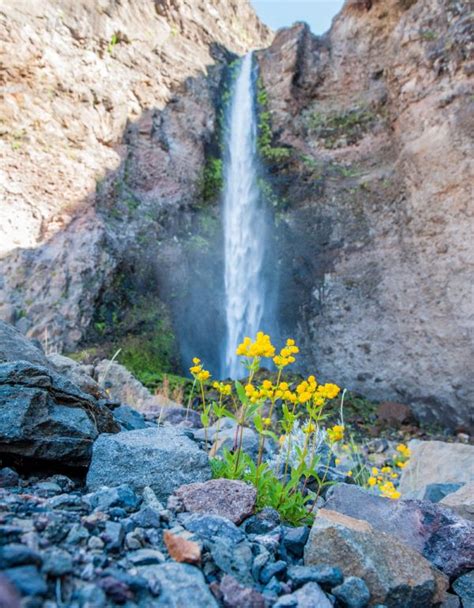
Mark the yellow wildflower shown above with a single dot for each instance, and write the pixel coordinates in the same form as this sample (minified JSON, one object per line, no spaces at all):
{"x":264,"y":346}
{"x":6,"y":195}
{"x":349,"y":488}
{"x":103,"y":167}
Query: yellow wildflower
{"x":267,"y":421}
{"x":372,"y":481}
{"x":404,"y":450}
{"x":260,"y":347}
{"x":336,"y":433}
{"x":309,"y":428}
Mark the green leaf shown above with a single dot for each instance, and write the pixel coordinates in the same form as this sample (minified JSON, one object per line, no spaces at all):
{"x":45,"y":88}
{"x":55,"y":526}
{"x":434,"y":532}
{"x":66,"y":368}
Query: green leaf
{"x":241,"y":393}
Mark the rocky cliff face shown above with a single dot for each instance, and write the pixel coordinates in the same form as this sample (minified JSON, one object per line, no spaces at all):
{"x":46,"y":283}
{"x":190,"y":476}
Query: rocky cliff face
{"x":110,"y":215}
{"x":106,"y":111}
{"x":373,"y":205}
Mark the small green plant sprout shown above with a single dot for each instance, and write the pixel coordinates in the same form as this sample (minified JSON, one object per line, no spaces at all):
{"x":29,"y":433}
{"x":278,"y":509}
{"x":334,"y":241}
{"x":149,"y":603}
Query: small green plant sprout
{"x":114,"y":39}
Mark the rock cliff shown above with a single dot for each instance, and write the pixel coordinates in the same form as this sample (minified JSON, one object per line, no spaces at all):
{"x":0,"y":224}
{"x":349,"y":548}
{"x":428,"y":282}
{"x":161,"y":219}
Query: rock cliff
{"x":84,"y":88}
{"x":110,"y":161}
{"x":374,"y":205}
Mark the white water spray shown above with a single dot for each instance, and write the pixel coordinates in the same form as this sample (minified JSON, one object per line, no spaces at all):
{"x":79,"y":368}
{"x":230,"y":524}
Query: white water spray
{"x":244,"y":223}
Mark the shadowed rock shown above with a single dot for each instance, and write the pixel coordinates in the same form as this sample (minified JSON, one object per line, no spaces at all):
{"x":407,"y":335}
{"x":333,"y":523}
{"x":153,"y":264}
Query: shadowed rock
{"x":45,"y":416}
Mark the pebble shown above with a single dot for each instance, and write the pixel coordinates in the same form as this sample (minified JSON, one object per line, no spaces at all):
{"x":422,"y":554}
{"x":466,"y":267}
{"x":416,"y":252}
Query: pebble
{"x":353,"y":593}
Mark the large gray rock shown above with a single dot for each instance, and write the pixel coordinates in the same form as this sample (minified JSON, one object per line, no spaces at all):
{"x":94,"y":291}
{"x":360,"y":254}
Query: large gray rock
{"x":163,"y":458}
{"x":444,"y":538}
{"x":15,"y":347}
{"x":45,"y":416}
{"x":395,"y":574}
{"x":436,"y":462}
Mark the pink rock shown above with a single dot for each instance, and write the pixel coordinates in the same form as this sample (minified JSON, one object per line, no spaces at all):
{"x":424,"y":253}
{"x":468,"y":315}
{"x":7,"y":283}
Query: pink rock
{"x":228,"y":498}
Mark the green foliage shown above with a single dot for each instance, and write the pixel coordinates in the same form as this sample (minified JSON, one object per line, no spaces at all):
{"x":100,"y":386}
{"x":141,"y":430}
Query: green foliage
{"x":340,"y":128}
{"x":268,"y":152}
{"x":112,"y":43}
{"x":278,"y":202}
{"x":285,"y":498}
{"x":429,"y":35}
{"x":212,"y":179}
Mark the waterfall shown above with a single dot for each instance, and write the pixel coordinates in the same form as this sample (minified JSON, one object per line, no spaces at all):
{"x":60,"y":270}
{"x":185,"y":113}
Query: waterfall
{"x":244,"y":223}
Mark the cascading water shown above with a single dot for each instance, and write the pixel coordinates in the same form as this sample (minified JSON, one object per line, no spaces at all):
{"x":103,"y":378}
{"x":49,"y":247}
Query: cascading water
{"x":244,"y":223}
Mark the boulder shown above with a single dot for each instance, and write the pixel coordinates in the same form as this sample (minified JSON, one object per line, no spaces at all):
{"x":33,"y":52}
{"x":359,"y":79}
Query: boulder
{"x":15,"y":347}
{"x":462,"y":501}
{"x":436,"y":462}
{"x":80,"y":375}
{"x":395,"y":574}
{"x":45,"y":416}
{"x":228,"y":498}
{"x":441,"y":536}
{"x":162,"y":458}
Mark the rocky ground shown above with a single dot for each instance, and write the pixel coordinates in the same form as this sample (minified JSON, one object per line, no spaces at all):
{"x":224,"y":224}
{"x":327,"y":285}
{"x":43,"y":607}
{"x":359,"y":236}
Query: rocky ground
{"x":101,"y":505}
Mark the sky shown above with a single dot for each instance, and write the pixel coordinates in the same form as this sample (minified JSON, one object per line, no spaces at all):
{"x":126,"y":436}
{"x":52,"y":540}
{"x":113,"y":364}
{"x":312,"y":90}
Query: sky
{"x":282,"y":13}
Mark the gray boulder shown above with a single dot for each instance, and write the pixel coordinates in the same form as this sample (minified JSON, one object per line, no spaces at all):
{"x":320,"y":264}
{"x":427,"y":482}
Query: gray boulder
{"x":45,"y":416}
{"x":15,"y":347}
{"x":439,"y":534}
{"x":162,"y":458}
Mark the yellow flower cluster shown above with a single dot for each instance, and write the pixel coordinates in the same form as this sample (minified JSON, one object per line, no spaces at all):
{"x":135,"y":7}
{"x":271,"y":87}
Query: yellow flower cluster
{"x":382,"y":478}
{"x":310,"y":390}
{"x":224,"y":389}
{"x":388,"y":490}
{"x":261,"y":347}
{"x":198,"y":372}
{"x":336,"y":433}
{"x":286,"y":354}
{"x":404,"y":453}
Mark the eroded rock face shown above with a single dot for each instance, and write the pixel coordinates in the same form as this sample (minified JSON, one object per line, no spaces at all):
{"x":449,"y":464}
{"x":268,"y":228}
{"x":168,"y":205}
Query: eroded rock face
{"x":46,"y":417}
{"x":85,"y":86}
{"x":372,"y":204}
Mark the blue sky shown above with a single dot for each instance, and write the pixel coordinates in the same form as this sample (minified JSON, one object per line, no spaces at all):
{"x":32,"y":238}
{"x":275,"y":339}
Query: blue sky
{"x":280,"y":13}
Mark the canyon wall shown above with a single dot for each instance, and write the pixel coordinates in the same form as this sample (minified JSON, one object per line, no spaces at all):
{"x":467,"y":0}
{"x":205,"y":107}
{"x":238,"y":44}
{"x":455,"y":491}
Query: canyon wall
{"x":374,"y":204}
{"x":110,"y":217}
{"x":106,"y":108}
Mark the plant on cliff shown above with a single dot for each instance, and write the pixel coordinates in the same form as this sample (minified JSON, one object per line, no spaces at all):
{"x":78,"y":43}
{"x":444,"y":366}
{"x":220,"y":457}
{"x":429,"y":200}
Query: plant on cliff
{"x":212,"y":179}
{"x":268,"y":152}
